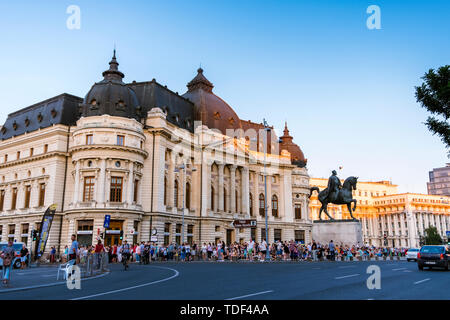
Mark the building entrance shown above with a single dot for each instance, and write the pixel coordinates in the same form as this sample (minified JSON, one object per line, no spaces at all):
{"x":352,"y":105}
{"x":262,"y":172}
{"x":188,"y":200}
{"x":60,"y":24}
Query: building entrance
{"x":112,"y":236}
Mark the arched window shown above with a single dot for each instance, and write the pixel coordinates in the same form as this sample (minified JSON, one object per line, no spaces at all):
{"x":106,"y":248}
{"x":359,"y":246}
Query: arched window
{"x":212,"y":198}
{"x":275,"y":206}
{"x":224,"y":199}
{"x":250,"y":199}
{"x":188,"y":196}
{"x":175,"y":194}
{"x":165,"y":191}
{"x":261,"y":205}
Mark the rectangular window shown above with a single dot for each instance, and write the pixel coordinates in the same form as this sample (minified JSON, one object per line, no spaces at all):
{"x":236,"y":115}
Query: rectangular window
{"x":31,"y":152}
{"x":263,"y":234}
{"x":1,"y":230}
{"x":300,"y":236}
{"x":41,"y":194}
{"x":11,"y":232}
{"x":45,"y":148}
{"x":88,"y":193}
{"x":120,"y":140}
{"x":298,"y":211}
{"x":190,"y":234}
{"x":135,"y":194}
{"x":2,"y":199}
{"x":253,"y":233}
{"x":25,"y":228}
{"x":18,"y":155}
{"x":167,"y":234}
{"x":14,"y":199}
{"x":277,"y":234}
{"x":6,"y":158}
{"x":178,"y":233}
{"x":116,"y":189}
{"x":27,"y":197}
{"x":89,"y":139}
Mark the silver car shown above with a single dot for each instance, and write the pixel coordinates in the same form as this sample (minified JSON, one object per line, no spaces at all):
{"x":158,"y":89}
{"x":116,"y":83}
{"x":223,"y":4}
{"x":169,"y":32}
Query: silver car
{"x":411,"y":254}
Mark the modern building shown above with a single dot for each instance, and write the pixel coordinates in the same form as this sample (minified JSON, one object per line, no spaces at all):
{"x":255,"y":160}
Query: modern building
{"x":162,"y":165}
{"x":439,"y":181}
{"x":389,"y":218}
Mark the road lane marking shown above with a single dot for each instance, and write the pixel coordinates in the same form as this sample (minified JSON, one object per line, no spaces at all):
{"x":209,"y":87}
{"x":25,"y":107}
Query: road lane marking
{"x":133,"y":287}
{"x":407,"y":271}
{"x":50,"y":284}
{"x":250,"y":295}
{"x":349,"y":276}
{"x":417,"y":282}
{"x":397,"y":269}
{"x":347,"y":267}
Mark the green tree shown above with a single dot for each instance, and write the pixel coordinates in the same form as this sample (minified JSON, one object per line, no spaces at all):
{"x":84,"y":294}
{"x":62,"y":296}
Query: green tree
{"x":434,"y":95}
{"x":432,"y":236}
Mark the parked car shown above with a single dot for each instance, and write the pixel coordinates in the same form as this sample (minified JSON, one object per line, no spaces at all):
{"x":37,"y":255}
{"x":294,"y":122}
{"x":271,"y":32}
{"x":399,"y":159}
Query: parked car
{"x":17,"y":247}
{"x":433,"y":256}
{"x":411,"y":254}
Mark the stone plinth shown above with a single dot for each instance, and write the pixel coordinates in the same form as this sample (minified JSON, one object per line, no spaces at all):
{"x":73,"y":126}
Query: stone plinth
{"x":346,"y":232}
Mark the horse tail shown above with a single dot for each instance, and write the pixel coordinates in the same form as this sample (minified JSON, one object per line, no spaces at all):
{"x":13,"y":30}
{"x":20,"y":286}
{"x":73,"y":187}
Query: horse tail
{"x":312,"y":190}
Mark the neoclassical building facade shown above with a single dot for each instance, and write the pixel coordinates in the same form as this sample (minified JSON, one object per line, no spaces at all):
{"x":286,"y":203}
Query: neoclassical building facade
{"x":151,"y":159}
{"x":389,"y":218}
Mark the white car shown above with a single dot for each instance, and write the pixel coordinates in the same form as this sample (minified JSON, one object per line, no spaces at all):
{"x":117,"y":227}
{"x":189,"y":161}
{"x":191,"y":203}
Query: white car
{"x":411,"y":254}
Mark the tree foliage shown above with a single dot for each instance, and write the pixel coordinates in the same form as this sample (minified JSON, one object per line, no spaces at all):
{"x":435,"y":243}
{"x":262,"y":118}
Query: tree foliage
{"x":434,"y":95}
{"x":432,"y":236}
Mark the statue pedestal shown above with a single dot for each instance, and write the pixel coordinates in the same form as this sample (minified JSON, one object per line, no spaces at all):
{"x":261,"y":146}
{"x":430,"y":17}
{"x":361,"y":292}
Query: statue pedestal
{"x":346,"y":232}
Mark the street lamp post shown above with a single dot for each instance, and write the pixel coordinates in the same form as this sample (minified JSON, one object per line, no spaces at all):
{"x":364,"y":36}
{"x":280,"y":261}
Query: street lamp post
{"x":266,"y":129}
{"x":183,"y":167}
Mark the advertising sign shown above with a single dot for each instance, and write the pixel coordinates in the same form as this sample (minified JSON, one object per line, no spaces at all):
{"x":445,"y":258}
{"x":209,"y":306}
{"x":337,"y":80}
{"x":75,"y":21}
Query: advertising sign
{"x":107,"y":220}
{"x":44,"y":232}
{"x":245,"y":223}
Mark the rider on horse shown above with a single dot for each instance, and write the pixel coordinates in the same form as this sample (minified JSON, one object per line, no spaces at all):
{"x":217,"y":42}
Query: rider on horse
{"x":334,"y":185}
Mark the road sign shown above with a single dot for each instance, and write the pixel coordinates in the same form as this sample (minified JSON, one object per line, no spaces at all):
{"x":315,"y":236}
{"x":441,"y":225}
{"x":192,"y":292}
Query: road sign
{"x":154,"y":238}
{"x":448,"y":234}
{"x":246,"y":223}
{"x":107,"y":220}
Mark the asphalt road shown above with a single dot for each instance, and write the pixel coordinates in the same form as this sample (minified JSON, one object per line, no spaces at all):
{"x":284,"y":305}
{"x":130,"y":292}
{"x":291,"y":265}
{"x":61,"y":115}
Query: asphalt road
{"x":235,"y":281}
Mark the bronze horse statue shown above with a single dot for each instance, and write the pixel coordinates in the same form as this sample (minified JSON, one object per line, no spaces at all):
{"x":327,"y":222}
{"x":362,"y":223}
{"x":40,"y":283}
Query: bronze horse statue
{"x":344,"y":196}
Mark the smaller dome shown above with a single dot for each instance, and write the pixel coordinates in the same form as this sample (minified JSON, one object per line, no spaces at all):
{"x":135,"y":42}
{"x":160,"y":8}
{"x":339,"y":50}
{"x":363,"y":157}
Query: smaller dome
{"x":297,"y":156}
{"x":209,"y":108}
{"x":111,"y":95}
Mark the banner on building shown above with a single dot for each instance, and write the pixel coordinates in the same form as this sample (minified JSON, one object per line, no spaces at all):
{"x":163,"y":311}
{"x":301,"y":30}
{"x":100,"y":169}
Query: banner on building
{"x":44,"y":231}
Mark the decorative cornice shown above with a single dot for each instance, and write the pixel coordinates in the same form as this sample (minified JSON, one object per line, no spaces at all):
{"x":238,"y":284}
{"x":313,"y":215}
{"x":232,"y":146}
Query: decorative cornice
{"x":108,"y":147}
{"x":34,"y":158}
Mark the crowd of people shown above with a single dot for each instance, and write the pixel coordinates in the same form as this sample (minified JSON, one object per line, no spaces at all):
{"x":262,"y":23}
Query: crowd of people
{"x":146,"y":252}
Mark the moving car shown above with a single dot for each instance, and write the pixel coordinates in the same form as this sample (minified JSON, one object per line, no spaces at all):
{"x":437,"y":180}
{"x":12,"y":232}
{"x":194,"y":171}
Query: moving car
{"x":433,"y":256}
{"x":411,"y":254}
{"x":16,"y":261}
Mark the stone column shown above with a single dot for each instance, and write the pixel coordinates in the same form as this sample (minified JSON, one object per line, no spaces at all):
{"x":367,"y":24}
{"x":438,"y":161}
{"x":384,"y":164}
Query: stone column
{"x":206,"y":187}
{"x":171,"y":181}
{"x":255,"y":195}
{"x":269,"y":196}
{"x":245,"y":191}
{"x":221,"y":206}
{"x":233,"y":188}
{"x":130,"y":183}
{"x":76,"y":189}
{"x":288,"y":213}
{"x":101,"y":183}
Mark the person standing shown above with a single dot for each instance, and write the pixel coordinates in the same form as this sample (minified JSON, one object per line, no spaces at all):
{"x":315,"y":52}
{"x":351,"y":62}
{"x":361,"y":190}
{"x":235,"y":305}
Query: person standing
{"x":99,"y":249}
{"x":73,"y":250}
{"x":7,"y":255}
{"x":332,"y":249}
{"x":52,"y":255}
{"x":23,"y":256}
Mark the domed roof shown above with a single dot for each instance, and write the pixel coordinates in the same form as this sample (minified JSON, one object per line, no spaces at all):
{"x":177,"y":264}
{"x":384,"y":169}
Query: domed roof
{"x":209,"y":108}
{"x":297,"y":156}
{"x":111,"y":95}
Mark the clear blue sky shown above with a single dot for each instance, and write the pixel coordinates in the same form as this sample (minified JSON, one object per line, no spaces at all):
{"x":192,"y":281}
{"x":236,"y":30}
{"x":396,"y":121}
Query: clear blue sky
{"x":312,"y":63}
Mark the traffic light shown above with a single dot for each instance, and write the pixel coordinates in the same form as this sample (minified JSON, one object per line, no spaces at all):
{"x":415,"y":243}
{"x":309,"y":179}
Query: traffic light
{"x":34,"y":235}
{"x":121,"y":234}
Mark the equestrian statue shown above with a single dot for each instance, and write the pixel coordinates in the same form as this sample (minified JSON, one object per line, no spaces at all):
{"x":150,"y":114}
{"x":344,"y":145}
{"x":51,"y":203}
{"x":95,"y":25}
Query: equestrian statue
{"x":337,"y":194}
